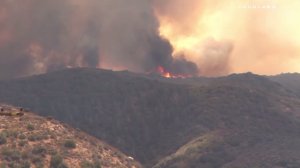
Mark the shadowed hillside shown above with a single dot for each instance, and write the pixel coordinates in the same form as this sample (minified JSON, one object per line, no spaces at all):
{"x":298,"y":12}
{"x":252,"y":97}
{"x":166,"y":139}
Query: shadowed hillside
{"x":236,"y":121}
{"x":289,"y":80}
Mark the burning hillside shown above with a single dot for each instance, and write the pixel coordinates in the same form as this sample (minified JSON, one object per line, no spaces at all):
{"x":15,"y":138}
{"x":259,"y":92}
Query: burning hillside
{"x":163,"y":72}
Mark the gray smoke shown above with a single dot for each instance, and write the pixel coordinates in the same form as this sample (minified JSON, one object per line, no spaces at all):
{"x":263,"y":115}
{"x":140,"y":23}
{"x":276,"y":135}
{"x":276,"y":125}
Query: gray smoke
{"x":215,"y":57}
{"x":46,"y":35}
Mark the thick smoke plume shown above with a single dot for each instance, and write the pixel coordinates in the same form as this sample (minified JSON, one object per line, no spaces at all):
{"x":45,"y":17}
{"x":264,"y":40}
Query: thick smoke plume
{"x":219,"y":36}
{"x":38,"y":36}
{"x":215,"y":57}
{"x":264,"y":33}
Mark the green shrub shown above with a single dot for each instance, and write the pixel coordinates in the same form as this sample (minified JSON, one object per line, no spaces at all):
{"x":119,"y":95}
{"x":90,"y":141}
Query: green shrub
{"x":22,"y":143}
{"x":25,"y":164}
{"x":52,"y":151}
{"x":87,"y":164}
{"x":39,"y":165}
{"x":22,"y":136}
{"x":30,"y":127}
{"x":2,"y":139}
{"x":57,"y":162}
{"x":25,"y":155}
{"x":10,"y":133}
{"x":36,"y":137}
{"x":32,"y":137}
{"x":37,"y":160}
{"x":39,"y":150}
{"x":15,"y":155}
{"x":13,"y":133}
{"x":11,"y":154}
{"x":97,"y":164}
{"x":70,"y":144}
{"x":12,"y":165}
{"x":5,"y":133}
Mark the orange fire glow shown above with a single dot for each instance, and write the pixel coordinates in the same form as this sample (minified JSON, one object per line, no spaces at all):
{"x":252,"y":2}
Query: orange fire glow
{"x":163,"y":72}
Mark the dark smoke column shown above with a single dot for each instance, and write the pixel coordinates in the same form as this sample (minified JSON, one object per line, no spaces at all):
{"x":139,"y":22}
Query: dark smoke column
{"x":53,"y":34}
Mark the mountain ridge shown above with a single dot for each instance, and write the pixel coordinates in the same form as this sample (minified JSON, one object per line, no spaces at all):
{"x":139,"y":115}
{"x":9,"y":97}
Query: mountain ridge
{"x":152,"y":118}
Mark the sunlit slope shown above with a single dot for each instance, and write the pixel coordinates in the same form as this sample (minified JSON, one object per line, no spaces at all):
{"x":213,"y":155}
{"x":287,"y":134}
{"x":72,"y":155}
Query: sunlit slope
{"x":29,"y":140}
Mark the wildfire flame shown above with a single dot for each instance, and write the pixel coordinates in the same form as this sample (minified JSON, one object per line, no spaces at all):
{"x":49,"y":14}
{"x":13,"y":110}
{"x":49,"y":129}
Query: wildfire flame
{"x":163,"y":72}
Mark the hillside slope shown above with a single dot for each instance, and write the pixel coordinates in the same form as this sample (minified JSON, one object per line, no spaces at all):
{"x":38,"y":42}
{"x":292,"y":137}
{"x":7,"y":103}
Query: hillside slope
{"x":196,"y":122}
{"x":33,"y":141}
{"x":289,"y":80}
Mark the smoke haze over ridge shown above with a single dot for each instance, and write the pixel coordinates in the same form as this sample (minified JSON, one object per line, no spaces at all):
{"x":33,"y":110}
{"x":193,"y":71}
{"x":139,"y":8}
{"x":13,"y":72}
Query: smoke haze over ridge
{"x":40,"y":36}
{"x":206,"y":37}
{"x":263,"y":34}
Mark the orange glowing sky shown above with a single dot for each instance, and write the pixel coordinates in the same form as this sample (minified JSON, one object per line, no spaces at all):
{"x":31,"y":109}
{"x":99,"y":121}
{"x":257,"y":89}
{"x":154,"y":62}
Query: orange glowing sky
{"x":264,"y":34}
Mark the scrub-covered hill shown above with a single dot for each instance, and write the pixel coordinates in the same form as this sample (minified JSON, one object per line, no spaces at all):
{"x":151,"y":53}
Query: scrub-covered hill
{"x":28,"y":140}
{"x":242,"y":120}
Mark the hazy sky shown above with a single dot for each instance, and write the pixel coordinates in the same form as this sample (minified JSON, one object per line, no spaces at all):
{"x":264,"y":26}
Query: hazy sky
{"x":264,"y":34}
